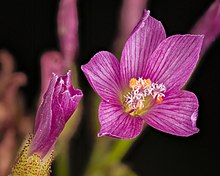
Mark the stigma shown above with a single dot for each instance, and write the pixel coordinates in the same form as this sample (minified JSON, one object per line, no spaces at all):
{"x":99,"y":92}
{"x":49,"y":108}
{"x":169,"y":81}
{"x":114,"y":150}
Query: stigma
{"x":143,"y":93}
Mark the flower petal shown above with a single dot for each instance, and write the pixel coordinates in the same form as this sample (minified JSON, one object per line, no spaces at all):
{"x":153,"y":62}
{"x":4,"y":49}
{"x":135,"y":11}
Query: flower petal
{"x":116,"y":123}
{"x":60,"y":101}
{"x":43,"y":119}
{"x":102,"y":72}
{"x":67,"y":98}
{"x":45,"y":107}
{"x":143,"y":41}
{"x":177,"y":114}
{"x":174,"y":59}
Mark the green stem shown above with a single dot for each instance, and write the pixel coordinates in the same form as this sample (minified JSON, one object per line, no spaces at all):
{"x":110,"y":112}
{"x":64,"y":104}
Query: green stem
{"x":62,"y":163}
{"x":119,"y":150}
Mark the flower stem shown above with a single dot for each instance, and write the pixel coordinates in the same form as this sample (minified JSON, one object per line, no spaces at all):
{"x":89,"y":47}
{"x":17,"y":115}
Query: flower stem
{"x":119,"y":150}
{"x":62,"y":163}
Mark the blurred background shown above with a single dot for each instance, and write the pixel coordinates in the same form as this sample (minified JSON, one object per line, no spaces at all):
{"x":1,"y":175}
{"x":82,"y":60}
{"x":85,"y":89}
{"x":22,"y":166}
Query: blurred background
{"x":28,"y":28}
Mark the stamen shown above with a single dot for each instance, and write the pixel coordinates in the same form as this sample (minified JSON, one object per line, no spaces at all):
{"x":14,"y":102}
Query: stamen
{"x":148,"y":81}
{"x":140,"y":105}
{"x":142,"y":91}
{"x":133,"y":83}
{"x":159,"y":99}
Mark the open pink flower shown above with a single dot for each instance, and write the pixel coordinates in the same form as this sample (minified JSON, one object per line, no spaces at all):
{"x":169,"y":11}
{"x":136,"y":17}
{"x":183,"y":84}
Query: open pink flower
{"x":145,"y":85}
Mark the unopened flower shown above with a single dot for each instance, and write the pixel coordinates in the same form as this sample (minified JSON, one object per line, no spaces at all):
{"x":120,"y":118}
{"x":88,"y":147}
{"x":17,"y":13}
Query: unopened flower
{"x":67,"y":27}
{"x":11,"y":110}
{"x":209,"y":25}
{"x":60,"y":61}
{"x":59,"y":103}
{"x":130,"y":13}
{"x":145,"y":85}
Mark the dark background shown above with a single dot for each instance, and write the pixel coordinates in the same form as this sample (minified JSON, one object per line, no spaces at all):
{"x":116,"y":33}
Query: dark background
{"x":28,"y":28}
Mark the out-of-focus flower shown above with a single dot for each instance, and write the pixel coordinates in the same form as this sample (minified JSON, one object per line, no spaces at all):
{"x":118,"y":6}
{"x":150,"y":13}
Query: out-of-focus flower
{"x":130,"y":14}
{"x":59,"y":103}
{"x":51,"y":62}
{"x":7,"y":150}
{"x":67,"y":22}
{"x":59,"y":62}
{"x":209,"y":25}
{"x":67,"y":27}
{"x":11,"y":111}
{"x":145,"y":85}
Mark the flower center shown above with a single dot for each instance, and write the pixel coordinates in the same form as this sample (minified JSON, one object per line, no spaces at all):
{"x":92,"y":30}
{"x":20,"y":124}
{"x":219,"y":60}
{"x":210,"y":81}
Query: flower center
{"x":143,"y":93}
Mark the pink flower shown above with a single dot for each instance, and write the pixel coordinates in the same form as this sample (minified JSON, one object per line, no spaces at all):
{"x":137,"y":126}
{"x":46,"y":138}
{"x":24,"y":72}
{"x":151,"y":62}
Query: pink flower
{"x":145,"y":85}
{"x":130,"y":13}
{"x":209,"y":25}
{"x":67,"y":27}
{"x":59,"y":103}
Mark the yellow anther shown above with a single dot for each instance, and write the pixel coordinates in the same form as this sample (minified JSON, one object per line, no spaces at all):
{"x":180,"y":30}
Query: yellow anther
{"x":159,"y":99}
{"x":148,"y":81}
{"x":133,"y":83}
